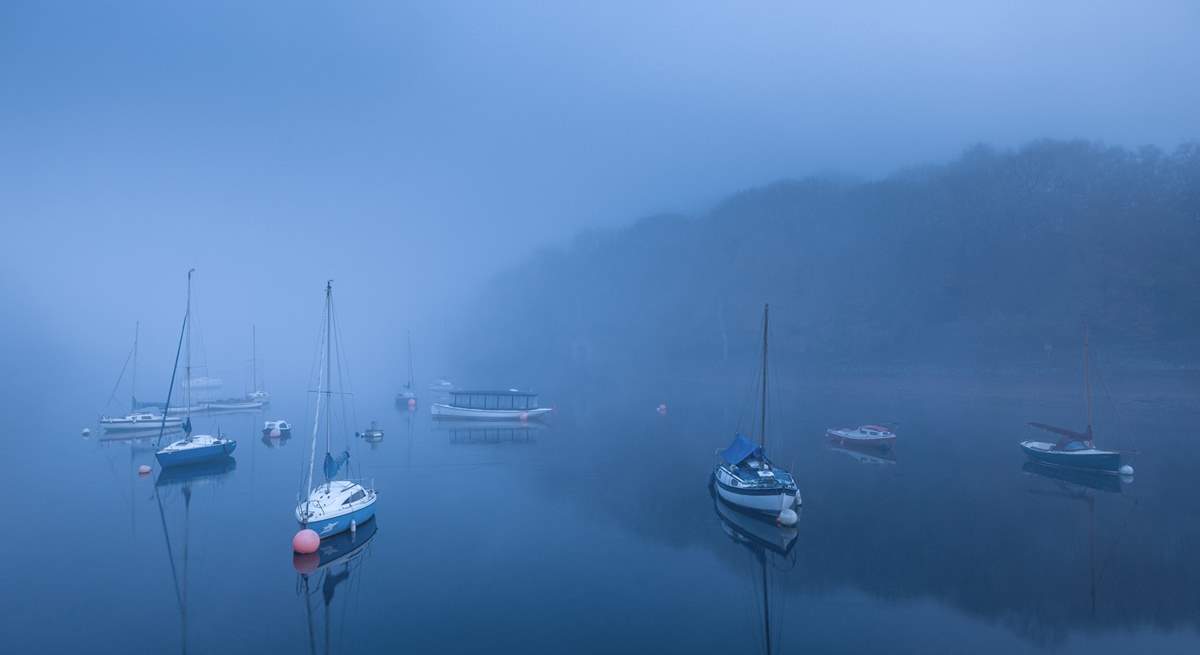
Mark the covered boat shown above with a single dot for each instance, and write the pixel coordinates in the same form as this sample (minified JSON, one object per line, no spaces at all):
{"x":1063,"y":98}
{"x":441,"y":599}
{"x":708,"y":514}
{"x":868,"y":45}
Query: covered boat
{"x":139,"y":422}
{"x":746,"y":478}
{"x":864,"y":436}
{"x":490,"y":405}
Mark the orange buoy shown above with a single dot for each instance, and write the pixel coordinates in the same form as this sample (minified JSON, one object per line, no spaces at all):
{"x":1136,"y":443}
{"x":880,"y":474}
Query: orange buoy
{"x":143,"y":470}
{"x":306,"y":541}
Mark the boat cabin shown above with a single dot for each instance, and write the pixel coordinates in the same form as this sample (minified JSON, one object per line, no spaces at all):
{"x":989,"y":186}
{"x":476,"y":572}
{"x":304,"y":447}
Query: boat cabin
{"x":511,"y":399}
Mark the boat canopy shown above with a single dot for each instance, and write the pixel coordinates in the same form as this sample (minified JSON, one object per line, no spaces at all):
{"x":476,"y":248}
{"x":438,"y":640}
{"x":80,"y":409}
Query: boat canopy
{"x":740,"y":450}
{"x":509,"y":399}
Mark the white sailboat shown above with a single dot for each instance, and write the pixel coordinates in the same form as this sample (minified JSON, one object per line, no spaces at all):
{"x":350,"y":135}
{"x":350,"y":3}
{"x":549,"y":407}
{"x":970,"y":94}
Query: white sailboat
{"x":335,"y":505}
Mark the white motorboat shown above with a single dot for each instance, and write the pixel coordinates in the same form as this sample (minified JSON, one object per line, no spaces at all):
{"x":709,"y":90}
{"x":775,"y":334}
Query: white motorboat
{"x":138,"y":422}
{"x":864,"y":436}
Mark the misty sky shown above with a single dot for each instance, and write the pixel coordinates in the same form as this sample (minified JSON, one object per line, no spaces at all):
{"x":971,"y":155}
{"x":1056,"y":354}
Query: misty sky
{"x":409,"y":151}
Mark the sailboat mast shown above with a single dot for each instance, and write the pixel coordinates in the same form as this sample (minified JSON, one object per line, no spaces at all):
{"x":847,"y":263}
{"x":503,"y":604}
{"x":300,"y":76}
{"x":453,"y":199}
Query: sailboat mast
{"x":133,"y":387}
{"x":410,"y":362}
{"x":187,"y":362}
{"x":253,"y":358}
{"x":766,"y":319}
{"x":1087,"y":382}
{"x":329,"y":363}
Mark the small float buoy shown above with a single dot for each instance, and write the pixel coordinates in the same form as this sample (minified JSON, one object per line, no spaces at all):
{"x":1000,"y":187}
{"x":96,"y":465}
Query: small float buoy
{"x":143,"y":470}
{"x":87,"y":431}
{"x":306,"y":541}
{"x":662,"y":409}
{"x":1127,"y":470}
{"x":412,"y":403}
{"x":788,"y":517}
{"x":275,"y":432}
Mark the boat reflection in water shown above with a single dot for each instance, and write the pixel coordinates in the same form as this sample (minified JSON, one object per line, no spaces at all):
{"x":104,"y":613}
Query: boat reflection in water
{"x":476,"y":432}
{"x":865,"y":455}
{"x":334,"y":563}
{"x":773,"y":548}
{"x":183,"y":479}
{"x":1079,"y":485}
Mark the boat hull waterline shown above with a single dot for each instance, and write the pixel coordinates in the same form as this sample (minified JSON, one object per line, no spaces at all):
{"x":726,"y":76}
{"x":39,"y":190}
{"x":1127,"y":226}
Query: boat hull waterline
{"x":1089,"y":459}
{"x":768,"y":500}
{"x":440,"y":410}
{"x":195,"y":455}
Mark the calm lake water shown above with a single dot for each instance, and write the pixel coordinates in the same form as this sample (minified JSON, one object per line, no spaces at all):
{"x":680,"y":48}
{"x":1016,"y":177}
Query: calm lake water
{"x":597,"y":533}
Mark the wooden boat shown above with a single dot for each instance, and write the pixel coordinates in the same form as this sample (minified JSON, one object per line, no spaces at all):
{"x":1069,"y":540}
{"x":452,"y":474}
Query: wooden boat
{"x":1076,"y":450}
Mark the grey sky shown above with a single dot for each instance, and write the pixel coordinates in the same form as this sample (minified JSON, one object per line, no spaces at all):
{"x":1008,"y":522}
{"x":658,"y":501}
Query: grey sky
{"x":276,"y":145}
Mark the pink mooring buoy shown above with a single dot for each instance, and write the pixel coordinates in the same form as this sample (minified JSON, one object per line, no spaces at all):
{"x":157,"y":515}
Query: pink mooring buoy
{"x":412,"y":403}
{"x":143,"y":470}
{"x":306,"y":541}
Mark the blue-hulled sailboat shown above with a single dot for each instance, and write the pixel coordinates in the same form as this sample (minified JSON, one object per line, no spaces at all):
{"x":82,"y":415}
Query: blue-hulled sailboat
{"x":333,"y":506}
{"x":1076,"y":450}
{"x":743,"y":474}
{"x":191,"y":449}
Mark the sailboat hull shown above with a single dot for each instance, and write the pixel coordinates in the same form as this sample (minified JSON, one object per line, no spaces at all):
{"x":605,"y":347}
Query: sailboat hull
{"x":1090,"y":459}
{"x":196,"y":455}
{"x":766,"y":500}
{"x":328,"y":527}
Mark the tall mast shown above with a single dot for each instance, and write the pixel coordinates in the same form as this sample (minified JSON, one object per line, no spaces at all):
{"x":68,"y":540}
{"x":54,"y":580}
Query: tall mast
{"x":766,"y":604}
{"x":187,"y":362}
{"x":410,"y":362}
{"x":763,"y":439}
{"x":133,"y":387}
{"x":328,"y":363}
{"x":253,"y":358}
{"x":1087,"y":382}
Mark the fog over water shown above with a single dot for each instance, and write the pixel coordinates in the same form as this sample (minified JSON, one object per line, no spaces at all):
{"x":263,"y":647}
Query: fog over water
{"x":595,"y":200}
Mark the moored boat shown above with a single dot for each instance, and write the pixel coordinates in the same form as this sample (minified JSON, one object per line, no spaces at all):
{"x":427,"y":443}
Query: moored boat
{"x":373,"y":433}
{"x":864,"y":436}
{"x":277,"y":429}
{"x":191,"y":449}
{"x":140,"y":422}
{"x":490,"y":405}
{"x":744,"y":476}
{"x":1075,"y":450}
{"x":333,"y":506}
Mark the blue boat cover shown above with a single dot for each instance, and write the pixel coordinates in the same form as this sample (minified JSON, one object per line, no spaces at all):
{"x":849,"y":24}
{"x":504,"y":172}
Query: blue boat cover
{"x":332,"y":464}
{"x":739,"y":450}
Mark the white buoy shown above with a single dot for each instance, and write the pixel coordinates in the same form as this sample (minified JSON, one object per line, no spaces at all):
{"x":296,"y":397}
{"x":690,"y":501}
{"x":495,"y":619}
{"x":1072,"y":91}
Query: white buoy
{"x":143,"y":470}
{"x":87,"y":431}
{"x":1127,"y":470}
{"x":788,"y":517}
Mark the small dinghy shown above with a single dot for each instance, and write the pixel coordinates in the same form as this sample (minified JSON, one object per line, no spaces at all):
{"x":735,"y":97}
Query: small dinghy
{"x":1076,"y":450}
{"x":372,"y":434}
{"x":864,"y":436}
{"x":277,"y":429}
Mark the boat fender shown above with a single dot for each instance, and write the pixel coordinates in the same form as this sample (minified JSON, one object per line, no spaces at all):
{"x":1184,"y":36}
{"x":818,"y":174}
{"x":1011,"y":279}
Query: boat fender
{"x":788,"y":517}
{"x":353,"y":526}
{"x":306,"y":541}
{"x":1127,"y":470}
